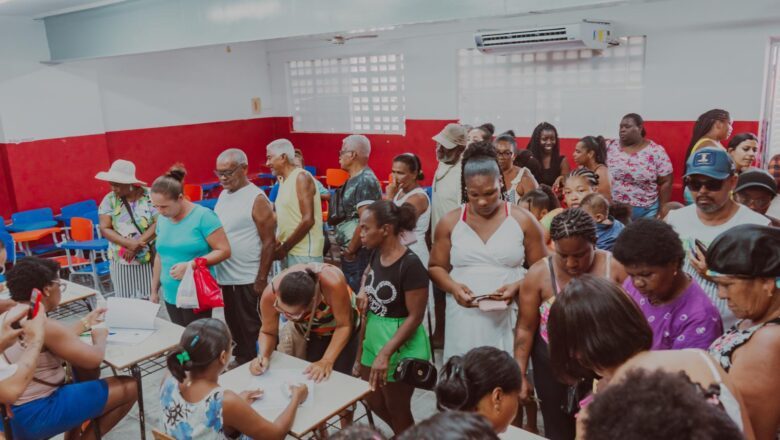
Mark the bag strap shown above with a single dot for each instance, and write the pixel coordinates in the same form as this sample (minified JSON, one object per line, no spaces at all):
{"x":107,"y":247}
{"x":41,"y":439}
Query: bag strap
{"x":313,"y":308}
{"x":35,"y":379}
{"x":132,"y":216}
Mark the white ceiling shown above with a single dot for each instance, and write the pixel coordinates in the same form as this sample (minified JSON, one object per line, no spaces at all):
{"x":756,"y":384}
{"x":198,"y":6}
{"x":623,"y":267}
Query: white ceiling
{"x":43,"y":8}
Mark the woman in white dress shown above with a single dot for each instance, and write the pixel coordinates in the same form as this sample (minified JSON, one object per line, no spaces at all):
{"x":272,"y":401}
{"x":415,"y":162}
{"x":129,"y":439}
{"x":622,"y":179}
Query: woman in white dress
{"x":518,"y":180}
{"x":405,"y":188}
{"x":478,"y":255}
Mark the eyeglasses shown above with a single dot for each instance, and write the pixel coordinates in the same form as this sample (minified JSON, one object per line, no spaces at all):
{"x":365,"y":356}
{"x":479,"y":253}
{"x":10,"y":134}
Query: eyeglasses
{"x":62,"y":284}
{"x":296,"y":317}
{"x":710,"y":184}
{"x":227,"y":173}
{"x":504,"y":153}
{"x":343,"y":152}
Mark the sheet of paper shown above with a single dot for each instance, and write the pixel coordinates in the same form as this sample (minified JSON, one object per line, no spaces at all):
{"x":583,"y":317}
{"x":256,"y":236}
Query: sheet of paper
{"x":131,"y":313}
{"x":128,"y":336}
{"x":273,"y":383}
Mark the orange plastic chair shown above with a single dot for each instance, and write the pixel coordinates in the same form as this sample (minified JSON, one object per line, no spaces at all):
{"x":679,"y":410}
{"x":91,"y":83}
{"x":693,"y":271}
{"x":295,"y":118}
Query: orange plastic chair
{"x":193,"y":193}
{"x":81,"y":229}
{"x":335,"y":177}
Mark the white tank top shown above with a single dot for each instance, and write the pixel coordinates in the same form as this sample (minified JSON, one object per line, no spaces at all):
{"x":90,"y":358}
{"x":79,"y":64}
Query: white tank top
{"x":424,"y":219}
{"x":235,"y":212}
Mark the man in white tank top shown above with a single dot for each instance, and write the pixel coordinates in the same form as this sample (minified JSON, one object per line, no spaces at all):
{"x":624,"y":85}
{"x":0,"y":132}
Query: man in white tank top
{"x":250,"y":225}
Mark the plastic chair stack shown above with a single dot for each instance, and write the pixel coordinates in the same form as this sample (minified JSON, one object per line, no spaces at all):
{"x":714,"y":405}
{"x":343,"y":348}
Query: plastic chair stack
{"x":31,"y":220}
{"x":82,"y":250}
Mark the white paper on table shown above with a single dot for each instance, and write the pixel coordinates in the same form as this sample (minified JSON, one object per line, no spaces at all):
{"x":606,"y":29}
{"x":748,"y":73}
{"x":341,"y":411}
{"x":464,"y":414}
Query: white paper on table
{"x":272,"y":382}
{"x":131,"y":313}
{"x":128,"y":335}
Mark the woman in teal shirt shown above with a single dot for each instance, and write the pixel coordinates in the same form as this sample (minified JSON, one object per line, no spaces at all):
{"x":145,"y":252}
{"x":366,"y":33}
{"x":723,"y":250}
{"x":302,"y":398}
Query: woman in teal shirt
{"x":185,"y":231}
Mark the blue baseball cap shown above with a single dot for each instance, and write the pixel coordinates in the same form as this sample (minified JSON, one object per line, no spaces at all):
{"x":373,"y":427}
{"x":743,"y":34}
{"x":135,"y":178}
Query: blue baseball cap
{"x":711,"y":162}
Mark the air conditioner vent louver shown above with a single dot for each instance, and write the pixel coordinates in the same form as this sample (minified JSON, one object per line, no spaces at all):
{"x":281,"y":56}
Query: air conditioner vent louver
{"x":580,"y":35}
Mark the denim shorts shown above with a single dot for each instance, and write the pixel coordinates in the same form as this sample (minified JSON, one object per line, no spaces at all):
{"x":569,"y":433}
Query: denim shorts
{"x":65,"y":409}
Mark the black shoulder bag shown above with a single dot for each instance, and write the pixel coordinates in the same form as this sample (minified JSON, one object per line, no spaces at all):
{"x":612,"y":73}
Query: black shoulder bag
{"x":419,"y":373}
{"x":138,"y":228}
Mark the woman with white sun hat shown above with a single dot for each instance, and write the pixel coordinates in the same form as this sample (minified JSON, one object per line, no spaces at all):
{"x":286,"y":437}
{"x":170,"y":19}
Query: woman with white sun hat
{"x":127,"y":220}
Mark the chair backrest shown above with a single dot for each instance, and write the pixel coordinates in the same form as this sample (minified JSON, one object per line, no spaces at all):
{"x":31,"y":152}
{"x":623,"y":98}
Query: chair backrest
{"x":193,"y":192}
{"x":33,"y":216}
{"x":311,"y":169}
{"x":10,"y":246}
{"x":81,"y":229}
{"x":77,"y":208}
{"x":159,"y":435}
{"x":2,"y":224}
{"x":274,"y":192}
{"x":335,"y":177}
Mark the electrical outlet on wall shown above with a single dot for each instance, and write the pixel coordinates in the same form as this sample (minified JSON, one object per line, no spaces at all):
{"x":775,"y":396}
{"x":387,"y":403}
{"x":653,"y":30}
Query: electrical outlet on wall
{"x":257,"y":106}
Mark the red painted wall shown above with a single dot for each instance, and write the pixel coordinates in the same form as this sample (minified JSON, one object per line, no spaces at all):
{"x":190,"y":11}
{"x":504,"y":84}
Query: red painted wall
{"x":55,"y":172}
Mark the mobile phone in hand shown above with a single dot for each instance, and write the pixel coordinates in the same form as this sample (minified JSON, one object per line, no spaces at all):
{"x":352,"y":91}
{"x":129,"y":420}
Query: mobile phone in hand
{"x":32,"y":312}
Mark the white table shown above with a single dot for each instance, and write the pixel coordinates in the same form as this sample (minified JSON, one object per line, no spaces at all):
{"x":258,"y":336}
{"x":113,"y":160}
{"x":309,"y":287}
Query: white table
{"x":515,"y":433}
{"x":127,"y":357}
{"x":331,"y":397}
{"x":76,"y":292}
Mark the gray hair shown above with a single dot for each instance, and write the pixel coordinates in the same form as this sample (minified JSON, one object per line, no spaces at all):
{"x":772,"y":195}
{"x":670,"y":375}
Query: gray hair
{"x":359,"y":143}
{"x":233,"y":155}
{"x":282,"y":147}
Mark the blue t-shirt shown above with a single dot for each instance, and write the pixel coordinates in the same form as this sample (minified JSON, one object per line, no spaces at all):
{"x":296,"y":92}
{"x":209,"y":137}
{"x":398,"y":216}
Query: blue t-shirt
{"x":182,"y":242}
{"x":606,"y":235}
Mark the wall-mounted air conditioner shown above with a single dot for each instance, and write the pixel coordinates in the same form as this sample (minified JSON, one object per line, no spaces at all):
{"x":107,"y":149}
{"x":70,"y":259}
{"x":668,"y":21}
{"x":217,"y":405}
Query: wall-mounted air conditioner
{"x":584,"y":35}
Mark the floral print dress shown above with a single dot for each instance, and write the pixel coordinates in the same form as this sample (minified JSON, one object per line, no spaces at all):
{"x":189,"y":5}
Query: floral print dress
{"x":192,"y":421}
{"x":635,"y":176}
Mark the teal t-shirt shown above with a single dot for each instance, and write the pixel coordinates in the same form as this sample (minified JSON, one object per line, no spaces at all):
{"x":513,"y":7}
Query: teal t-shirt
{"x":182,"y":242}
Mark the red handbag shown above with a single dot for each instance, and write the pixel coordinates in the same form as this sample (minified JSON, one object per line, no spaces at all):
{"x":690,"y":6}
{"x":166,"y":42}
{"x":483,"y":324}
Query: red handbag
{"x":209,"y":293}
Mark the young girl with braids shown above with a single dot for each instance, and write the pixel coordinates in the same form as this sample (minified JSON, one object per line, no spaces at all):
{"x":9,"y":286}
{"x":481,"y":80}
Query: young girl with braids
{"x":478,"y":254}
{"x":194,"y":406}
{"x":591,"y":153}
{"x":579,"y":183}
{"x":573,"y":234}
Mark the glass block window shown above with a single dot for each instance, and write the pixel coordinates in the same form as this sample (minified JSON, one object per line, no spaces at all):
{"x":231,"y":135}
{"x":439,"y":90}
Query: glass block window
{"x":583,"y":91}
{"x":359,"y":94}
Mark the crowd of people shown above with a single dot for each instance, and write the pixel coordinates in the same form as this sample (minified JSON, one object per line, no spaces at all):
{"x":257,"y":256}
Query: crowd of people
{"x":581,"y":288}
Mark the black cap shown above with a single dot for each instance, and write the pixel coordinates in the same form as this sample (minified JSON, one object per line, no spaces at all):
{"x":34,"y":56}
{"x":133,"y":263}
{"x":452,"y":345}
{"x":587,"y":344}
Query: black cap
{"x":747,"y":250}
{"x":756,"y":178}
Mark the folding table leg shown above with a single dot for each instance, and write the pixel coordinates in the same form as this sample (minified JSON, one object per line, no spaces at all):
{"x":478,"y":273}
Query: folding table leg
{"x":369,"y":414}
{"x":136,"y":372}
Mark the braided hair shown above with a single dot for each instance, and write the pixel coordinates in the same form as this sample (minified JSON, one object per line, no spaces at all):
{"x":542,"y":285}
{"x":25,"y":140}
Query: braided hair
{"x":480,"y":159}
{"x":573,"y":222}
{"x":590,"y":176}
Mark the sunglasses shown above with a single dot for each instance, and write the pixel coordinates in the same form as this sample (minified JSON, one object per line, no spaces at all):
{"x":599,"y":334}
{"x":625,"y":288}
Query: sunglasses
{"x":711,"y":184}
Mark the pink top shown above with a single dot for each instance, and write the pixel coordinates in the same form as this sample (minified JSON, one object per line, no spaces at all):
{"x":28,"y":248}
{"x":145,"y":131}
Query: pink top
{"x":635,"y":176}
{"x":49,"y":370}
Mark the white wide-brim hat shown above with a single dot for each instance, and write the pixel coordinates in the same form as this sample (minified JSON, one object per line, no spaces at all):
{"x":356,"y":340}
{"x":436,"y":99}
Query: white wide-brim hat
{"x":121,"y":171}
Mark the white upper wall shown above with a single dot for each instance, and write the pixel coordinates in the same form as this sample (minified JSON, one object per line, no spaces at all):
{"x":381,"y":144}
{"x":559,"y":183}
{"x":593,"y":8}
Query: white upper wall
{"x":700,"y":54}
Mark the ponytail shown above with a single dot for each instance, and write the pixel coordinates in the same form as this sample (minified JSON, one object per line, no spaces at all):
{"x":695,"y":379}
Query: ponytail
{"x":464,"y":381}
{"x":202,"y":342}
{"x":171,"y":184}
{"x":452,"y":389}
{"x":297,"y":288}
{"x":402,"y":218}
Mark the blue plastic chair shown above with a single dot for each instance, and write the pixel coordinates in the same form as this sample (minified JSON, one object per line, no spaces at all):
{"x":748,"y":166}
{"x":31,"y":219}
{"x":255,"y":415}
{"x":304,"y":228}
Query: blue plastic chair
{"x":207,"y":203}
{"x":274,"y":192}
{"x":31,"y":220}
{"x":77,"y":209}
{"x":82,"y":251}
{"x":10,"y":247}
{"x":311,"y":169}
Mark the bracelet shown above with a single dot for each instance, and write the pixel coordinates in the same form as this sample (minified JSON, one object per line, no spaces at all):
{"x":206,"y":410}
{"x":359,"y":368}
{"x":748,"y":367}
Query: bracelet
{"x":86,"y":325}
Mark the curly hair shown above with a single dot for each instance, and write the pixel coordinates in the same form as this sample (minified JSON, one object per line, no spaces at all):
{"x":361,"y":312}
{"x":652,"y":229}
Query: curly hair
{"x":649,"y":241}
{"x":28,"y":274}
{"x":638,"y":408}
{"x":480,"y":159}
{"x":573,"y":222}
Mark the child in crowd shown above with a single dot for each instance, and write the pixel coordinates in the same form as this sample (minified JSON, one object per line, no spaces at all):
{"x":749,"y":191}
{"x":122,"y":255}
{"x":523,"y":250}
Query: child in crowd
{"x":544,"y":205}
{"x":623,"y":211}
{"x":607,"y":227}
{"x":579,"y":183}
{"x":194,"y":406}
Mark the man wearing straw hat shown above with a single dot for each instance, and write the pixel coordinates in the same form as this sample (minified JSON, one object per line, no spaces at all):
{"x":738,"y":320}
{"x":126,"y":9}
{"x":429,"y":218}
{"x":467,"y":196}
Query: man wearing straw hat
{"x":127,"y":220}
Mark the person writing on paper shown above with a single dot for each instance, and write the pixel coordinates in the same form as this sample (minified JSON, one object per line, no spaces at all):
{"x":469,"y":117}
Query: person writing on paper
{"x":185,"y":231}
{"x":14,"y":378}
{"x":64,"y":407}
{"x":393,"y":299}
{"x":127,"y":221}
{"x":478,"y":253}
{"x":194,"y":406}
{"x":319,"y":305}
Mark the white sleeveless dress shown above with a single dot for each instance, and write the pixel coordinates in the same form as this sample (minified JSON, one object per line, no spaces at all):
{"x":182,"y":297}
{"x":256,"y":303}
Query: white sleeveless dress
{"x":483,"y":267}
{"x":423,"y":220}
